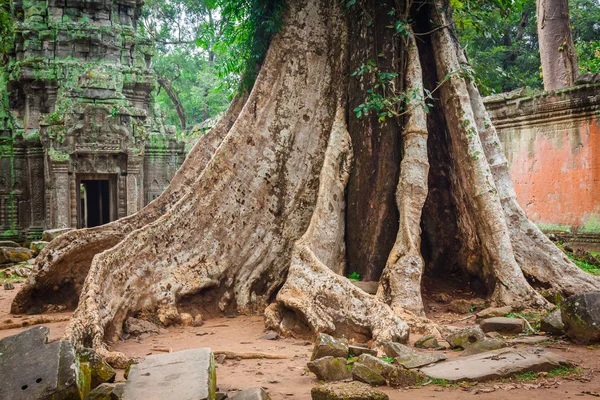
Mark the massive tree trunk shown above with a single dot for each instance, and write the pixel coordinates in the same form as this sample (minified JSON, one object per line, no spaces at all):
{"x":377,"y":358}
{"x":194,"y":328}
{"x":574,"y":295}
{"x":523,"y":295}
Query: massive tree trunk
{"x":557,"y":51}
{"x":261,"y":224}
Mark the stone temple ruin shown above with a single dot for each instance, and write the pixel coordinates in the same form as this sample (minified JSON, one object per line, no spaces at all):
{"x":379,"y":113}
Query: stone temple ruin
{"x":82,"y":141}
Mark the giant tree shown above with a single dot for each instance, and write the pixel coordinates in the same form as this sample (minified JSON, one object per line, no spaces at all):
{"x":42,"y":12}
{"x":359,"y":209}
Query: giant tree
{"x":255,"y":219}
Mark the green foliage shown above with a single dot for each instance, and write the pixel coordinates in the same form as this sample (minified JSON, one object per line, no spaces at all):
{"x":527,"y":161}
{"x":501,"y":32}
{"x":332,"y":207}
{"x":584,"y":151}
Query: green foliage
{"x":6,"y":28}
{"x":592,"y":269}
{"x":355,"y":276}
{"x":500,"y":38}
{"x":207,"y":49}
{"x":388,"y":359}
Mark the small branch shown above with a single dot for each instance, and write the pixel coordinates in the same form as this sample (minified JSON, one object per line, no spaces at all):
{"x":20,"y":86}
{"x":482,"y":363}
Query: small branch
{"x":434,"y":30}
{"x":250,"y":356}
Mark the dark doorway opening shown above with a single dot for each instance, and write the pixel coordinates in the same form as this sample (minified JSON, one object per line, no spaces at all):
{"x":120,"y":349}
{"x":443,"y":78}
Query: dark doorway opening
{"x":97,"y":201}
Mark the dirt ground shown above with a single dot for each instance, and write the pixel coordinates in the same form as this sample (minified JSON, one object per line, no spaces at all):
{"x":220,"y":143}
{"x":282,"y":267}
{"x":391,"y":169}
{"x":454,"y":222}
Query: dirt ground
{"x":289,"y":379}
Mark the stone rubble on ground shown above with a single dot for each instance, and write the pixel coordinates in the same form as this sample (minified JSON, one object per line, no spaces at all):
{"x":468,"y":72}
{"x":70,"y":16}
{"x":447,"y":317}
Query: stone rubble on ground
{"x":327,"y":345}
{"x":553,"y":324}
{"x":495,"y":365}
{"x":138,"y":327}
{"x":356,"y":350}
{"x":581,"y":317}
{"x":346,"y":391}
{"x":473,"y":340}
{"x":409,"y":358}
{"x":330,"y":368}
{"x":503,"y":325}
{"x":8,"y":286}
{"x":182,"y":375}
{"x":427,"y":342}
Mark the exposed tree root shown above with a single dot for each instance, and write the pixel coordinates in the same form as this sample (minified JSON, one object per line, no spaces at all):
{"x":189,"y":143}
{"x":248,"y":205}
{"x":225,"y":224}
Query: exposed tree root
{"x":321,"y":299}
{"x":500,"y":269}
{"x":62,"y":266}
{"x":400,"y":283}
{"x":249,"y":356}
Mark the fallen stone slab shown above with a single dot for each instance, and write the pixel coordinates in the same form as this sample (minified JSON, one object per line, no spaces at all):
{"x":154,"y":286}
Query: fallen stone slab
{"x":9,"y":243}
{"x":14,"y":255}
{"x":33,"y":369}
{"x":581,"y":317}
{"x":328,"y":346}
{"x":409,"y":358}
{"x":347,"y":391}
{"x":50,"y":234}
{"x":495,"y":364}
{"x":255,"y":393}
{"x":330,"y":369}
{"x":106,"y":391}
{"x":182,"y":375}
{"x":553,"y":323}
{"x":503,"y":325}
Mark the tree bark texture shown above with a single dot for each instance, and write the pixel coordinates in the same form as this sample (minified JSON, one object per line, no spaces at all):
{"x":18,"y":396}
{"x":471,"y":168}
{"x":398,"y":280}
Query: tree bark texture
{"x":258,"y":219}
{"x":372,"y":220}
{"x":557,"y":50}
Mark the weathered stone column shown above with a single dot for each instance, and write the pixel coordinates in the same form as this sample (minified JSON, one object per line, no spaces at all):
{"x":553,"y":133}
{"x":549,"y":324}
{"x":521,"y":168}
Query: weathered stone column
{"x":135,"y":179}
{"x":61,"y":200}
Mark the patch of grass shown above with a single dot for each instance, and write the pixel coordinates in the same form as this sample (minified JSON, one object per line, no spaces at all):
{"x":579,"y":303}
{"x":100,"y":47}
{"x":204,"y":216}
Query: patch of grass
{"x":9,"y":278}
{"x":388,"y":359}
{"x":560,"y":372}
{"x":441,"y":382}
{"x":589,"y":268}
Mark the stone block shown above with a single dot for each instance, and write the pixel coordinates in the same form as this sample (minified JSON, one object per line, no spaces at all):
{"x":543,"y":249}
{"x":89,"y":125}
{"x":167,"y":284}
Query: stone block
{"x":361,"y":372}
{"x":33,"y":369}
{"x":347,"y":391}
{"x":327,"y":345}
{"x":330,"y":369}
{"x":13,"y":255}
{"x":553,"y":323}
{"x":427,"y":342}
{"x":409,"y":358}
{"x":182,"y":375}
{"x":37,"y":246}
{"x":503,"y":325}
{"x":495,"y":365}
{"x":355,"y":350}
{"x":473,"y":340}
{"x":581,"y":317}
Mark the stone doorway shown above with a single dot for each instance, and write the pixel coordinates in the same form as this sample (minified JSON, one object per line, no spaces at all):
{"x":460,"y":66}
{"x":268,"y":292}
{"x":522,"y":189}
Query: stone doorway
{"x":96,"y":199}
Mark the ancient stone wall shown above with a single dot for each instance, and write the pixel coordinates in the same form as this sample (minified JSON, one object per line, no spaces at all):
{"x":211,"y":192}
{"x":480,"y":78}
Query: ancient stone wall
{"x":552,"y":142}
{"x":77,"y":106}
